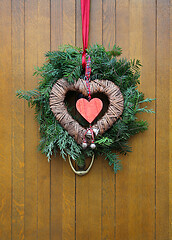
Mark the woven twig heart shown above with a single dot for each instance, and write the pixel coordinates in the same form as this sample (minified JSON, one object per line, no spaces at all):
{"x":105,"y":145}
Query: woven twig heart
{"x":59,"y":109}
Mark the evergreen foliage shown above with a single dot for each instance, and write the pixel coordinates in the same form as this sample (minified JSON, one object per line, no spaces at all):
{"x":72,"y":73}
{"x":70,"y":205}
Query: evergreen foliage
{"x":67,"y":63}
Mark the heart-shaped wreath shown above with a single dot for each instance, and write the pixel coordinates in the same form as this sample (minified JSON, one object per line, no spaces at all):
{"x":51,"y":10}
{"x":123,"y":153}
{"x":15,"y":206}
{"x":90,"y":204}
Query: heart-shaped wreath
{"x":63,"y":72}
{"x":58,"y":107}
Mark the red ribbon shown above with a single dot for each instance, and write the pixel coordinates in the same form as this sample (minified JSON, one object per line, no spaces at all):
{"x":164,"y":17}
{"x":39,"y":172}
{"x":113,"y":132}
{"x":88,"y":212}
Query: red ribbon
{"x":85,"y":11}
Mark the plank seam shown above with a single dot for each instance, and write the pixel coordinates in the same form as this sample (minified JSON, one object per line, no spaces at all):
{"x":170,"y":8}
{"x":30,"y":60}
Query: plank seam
{"x":24,"y":114}
{"x":75,"y":19}
{"x":11,"y":136}
{"x":155,"y":101}
{"x":50,"y":160}
{"x":24,"y":105}
{"x":101,"y":158}
{"x":24,"y":119}
{"x":37,"y":132}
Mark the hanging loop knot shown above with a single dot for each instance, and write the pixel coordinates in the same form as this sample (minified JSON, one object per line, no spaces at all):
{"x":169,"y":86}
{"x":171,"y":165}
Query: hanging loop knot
{"x":85,"y":13}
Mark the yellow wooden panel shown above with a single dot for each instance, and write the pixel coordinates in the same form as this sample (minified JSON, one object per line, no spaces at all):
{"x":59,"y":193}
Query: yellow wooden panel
{"x":122,"y":39}
{"x":68,"y":207}
{"x":135,"y":192}
{"x":31,"y":128}
{"x":56,"y":24}
{"x":170,"y":138}
{"x":5,"y":119}
{"x":18,"y":120}
{"x":78,"y":22}
{"x":162,"y":120}
{"x":56,"y":162}
{"x":108,"y":217}
{"x":43,"y":46}
{"x":122,"y":26}
{"x":95,"y":175}
{"x":47,"y":198}
{"x":68,"y":22}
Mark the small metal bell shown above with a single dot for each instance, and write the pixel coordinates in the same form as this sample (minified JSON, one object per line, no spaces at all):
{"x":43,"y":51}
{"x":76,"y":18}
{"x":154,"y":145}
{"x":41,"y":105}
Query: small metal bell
{"x":88,"y":134}
{"x":93,"y":146}
{"x":84,"y":145}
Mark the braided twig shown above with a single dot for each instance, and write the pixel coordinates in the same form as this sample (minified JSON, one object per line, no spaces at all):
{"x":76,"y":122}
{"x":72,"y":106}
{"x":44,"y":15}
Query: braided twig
{"x":57,"y":105}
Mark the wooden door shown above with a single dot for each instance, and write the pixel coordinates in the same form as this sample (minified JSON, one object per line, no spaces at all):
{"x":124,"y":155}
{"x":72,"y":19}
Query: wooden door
{"x":41,"y":200}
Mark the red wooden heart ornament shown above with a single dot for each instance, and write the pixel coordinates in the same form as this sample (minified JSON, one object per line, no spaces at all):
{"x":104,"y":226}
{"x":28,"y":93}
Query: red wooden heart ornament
{"x":89,"y":110}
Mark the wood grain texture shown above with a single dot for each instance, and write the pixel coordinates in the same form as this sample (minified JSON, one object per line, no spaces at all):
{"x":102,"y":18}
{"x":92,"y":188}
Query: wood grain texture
{"x":68,"y":207}
{"x":43,"y":46}
{"x":148,"y":79}
{"x":108,"y":218}
{"x":122,"y":26}
{"x":78,"y":24}
{"x":56,"y":23}
{"x":170,"y":132}
{"x":122,"y":192}
{"x":5,"y":120}
{"x":162,"y":123}
{"x":17,"y":120}
{"x":56,"y":162}
{"x":41,"y":200}
{"x":109,"y":23}
{"x":31,"y":130}
{"x":95,"y":33}
{"x":69,"y":22}
{"x":138,"y":197}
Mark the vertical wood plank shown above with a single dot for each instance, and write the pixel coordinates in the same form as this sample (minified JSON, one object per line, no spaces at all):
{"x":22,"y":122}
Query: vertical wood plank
{"x":69,"y":22}
{"x":31,"y":129}
{"x":68,"y":218}
{"x":162,"y":123}
{"x":170,"y":130}
{"x":147,"y":141}
{"x":56,"y":24}
{"x":56,"y":197}
{"x":88,"y":188}
{"x":18,"y":120}
{"x":135,"y":217}
{"x":122,"y":26}
{"x":95,"y":34}
{"x":56,"y":162}
{"x":96,"y":209}
{"x":109,"y":21}
{"x":5,"y":120}
{"x":108,"y":176}
{"x":78,"y":22}
{"x":43,"y":46}
{"x":122,"y":39}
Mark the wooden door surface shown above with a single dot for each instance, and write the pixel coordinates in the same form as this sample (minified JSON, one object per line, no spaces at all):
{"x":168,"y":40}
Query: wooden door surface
{"x":46,"y":201}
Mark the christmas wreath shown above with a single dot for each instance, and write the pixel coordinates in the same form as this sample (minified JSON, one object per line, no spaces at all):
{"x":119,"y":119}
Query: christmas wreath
{"x":63,"y":70}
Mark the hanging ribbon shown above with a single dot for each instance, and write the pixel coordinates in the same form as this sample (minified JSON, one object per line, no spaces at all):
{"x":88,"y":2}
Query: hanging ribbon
{"x":85,"y":12}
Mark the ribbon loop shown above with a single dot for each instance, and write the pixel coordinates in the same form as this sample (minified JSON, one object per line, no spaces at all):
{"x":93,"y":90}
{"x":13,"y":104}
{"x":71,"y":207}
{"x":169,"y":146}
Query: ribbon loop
{"x":85,"y":12}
